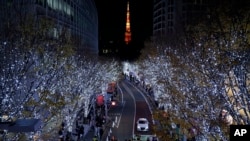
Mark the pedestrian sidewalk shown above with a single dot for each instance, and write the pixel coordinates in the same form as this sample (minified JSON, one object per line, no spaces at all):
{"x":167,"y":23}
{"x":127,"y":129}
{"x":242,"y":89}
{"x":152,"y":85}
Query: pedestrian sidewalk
{"x":89,"y":133}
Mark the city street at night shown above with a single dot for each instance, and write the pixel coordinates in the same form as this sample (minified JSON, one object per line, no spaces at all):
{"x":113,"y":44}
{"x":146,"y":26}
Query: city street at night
{"x":124,"y":70}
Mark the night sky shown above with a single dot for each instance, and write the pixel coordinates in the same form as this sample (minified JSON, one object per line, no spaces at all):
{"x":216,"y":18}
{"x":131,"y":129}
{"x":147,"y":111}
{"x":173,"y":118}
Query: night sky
{"x":112,"y":19}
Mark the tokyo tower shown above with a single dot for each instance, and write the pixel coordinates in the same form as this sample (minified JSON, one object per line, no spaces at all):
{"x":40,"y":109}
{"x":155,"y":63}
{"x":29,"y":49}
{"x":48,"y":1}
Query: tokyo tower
{"x":127,"y":32}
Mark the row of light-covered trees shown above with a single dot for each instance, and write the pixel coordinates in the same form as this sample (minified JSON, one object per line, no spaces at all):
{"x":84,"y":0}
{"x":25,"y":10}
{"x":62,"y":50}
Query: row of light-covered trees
{"x":45,"y":77}
{"x":202,"y":77}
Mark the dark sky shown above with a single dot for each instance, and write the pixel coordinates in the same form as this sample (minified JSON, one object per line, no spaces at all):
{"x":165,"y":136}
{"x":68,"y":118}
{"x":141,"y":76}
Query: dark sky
{"x":112,"y":19}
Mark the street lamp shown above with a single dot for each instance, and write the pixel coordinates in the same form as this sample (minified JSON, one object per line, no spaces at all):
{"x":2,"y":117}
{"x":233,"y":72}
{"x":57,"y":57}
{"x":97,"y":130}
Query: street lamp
{"x":113,"y":103}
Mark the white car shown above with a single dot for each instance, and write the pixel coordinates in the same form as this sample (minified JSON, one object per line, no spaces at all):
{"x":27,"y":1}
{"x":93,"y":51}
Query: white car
{"x":142,"y":124}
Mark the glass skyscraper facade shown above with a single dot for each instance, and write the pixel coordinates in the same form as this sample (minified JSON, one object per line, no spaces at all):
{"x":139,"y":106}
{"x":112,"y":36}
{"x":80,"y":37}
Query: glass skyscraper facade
{"x":78,"y":17}
{"x":171,"y":16}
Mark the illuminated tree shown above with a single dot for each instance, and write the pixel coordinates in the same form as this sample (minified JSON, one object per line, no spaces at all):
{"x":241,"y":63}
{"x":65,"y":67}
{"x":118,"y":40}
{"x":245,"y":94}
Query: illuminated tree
{"x":225,"y":37}
{"x":43,"y":77}
{"x":203,"y":74}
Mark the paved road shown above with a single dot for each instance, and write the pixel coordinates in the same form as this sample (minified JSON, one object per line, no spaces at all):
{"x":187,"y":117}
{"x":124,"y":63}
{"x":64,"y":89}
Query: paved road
{"x":125,"y":115}
{"x":124,"y":127}
{"x":142,"y":109}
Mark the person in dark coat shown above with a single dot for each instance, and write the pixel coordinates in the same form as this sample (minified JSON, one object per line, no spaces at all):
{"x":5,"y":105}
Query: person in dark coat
{"x":81,"y":130}
{"x":101,"y":132}
{"x":60,"y":133}
{"x":78,"y":132}
{"x":68,"y":136}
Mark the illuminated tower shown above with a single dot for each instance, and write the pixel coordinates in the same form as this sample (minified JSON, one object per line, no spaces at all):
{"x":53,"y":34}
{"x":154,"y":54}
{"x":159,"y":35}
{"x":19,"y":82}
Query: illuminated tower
{"x":127,"y":32}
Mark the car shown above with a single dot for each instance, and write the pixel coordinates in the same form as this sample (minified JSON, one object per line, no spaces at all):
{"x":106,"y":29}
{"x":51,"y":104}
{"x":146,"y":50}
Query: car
{"x":142,"y":124}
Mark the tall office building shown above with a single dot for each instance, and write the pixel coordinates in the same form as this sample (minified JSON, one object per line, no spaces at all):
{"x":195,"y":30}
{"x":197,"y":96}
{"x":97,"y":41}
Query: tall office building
{"x":171,"y":16}
{"x":128,"y":31}
{"x":77,"y":17}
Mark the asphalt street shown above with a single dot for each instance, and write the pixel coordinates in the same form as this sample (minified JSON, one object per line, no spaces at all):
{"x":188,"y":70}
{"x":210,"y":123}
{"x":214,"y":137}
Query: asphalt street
{"x":131,"y":105}
{"x":134,"y":106}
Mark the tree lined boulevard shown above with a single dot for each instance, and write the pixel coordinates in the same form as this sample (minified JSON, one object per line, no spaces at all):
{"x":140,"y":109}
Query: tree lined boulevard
{"x":191,"y":85}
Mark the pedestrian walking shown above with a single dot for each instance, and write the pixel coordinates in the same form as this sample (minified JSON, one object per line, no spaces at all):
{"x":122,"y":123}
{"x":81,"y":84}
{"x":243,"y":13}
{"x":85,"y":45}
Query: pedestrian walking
{"x":101,"y":132}
{"x":60,"y":133}
{"x":68,"y":136}
{"x":78,"y":133}
{"x":81,"y":130}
